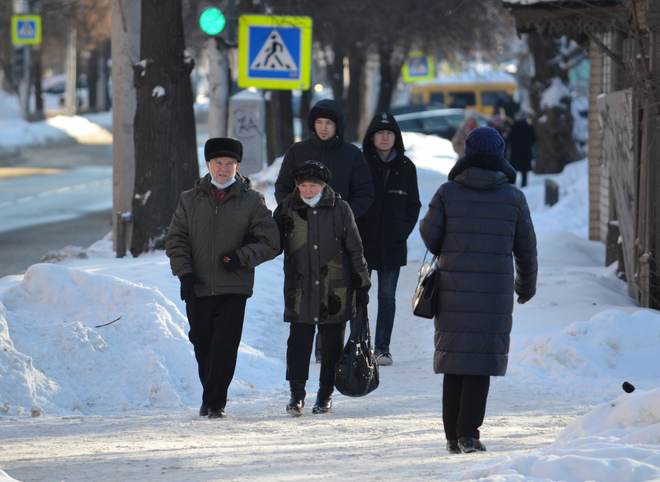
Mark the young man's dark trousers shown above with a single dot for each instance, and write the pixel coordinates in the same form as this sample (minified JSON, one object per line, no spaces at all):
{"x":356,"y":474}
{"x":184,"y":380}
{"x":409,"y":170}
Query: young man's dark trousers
{"x":299,"y":351}
{"x":216,"y":325}
{"x":464,"y":404}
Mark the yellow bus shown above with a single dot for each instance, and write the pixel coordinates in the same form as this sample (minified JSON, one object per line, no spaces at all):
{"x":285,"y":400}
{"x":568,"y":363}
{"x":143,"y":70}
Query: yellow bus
{"x":466,"y":90}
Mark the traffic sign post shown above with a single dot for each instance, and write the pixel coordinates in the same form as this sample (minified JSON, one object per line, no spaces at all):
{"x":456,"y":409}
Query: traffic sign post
{"x":418,"y":67}
{"x":26,"y":29}
{"x":274,"y":52}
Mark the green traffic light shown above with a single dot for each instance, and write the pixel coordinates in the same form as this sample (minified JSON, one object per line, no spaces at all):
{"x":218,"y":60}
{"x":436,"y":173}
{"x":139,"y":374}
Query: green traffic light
{"x":212,"y":21}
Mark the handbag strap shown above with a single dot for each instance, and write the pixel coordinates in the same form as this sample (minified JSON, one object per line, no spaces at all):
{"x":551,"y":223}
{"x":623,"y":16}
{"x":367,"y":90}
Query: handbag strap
{"x":360,"y":325}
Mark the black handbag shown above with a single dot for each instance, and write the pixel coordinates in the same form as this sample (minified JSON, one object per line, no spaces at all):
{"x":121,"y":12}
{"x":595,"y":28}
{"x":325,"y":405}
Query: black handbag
{"x":356,"y":373}
{"x":424,"y":299}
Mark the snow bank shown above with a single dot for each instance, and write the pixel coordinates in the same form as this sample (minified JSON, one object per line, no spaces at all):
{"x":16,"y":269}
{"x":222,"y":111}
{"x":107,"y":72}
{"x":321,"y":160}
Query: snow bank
{"x":612,"y":346}
{"x":430,"y":152}
{"x":9,"y":107}
{"x":571,"y":213}
{"x":615,"y":441}
{"x":60,"y":359}
{"x":5,"y":478}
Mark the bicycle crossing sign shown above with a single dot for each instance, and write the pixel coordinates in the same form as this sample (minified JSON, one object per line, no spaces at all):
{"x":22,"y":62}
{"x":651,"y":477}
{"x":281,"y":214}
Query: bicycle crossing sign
{"x":274,"y":52}
{"x":26,"y":29}
{"x":418,"y":67}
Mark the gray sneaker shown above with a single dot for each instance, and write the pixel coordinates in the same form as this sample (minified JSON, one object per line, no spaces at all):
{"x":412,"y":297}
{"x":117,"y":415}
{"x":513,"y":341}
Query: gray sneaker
{"x":384,"y":358}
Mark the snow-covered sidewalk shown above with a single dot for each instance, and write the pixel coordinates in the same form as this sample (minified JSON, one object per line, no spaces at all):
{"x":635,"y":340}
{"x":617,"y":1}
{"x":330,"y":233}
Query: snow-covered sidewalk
{"x":119,"y":402}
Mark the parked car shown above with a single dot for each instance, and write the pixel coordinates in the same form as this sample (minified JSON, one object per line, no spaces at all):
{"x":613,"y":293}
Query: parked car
{"x":439,"y":122}
{"x":408,"y":108}
{"x":54,"y":88}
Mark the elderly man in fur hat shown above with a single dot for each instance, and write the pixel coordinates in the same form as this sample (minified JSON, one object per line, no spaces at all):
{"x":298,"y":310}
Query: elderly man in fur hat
{"x":220,"y":231}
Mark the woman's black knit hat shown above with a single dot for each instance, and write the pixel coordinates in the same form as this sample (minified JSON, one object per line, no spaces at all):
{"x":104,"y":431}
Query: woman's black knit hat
{"x":312,"y":171}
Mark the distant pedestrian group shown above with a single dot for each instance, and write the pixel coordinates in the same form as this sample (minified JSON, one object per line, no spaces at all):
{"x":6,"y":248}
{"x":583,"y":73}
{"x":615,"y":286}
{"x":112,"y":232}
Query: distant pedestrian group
{"x":342,"y":214}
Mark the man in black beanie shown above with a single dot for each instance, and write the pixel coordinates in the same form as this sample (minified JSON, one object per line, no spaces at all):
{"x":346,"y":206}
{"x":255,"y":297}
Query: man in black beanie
{"x":220,"y":231}
{"x":350,"y":174}
{"x":389,"y":221}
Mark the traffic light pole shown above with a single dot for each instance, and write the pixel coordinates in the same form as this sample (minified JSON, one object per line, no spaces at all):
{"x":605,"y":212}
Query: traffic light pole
{"x":218,"y":88}
{"x":24,"y":79}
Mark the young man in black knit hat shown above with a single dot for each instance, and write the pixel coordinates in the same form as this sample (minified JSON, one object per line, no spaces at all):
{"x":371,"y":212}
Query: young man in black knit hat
{"x":389,"y":221}
{"x":220,"y":231}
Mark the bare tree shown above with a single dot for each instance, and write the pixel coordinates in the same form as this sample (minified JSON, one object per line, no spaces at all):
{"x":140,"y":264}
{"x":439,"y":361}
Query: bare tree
{"x":551,"y":102}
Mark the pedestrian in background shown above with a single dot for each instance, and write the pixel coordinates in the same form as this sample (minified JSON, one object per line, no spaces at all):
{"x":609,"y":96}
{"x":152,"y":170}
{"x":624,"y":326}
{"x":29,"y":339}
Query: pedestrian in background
{"x":325,"y":275}
{"x":350,"y":174}
{"x":220,"y":231}
{"x":468,"y":125}
{"x":478,"y":224}
{"x":389,"y":221}
{"x":520,"y":142}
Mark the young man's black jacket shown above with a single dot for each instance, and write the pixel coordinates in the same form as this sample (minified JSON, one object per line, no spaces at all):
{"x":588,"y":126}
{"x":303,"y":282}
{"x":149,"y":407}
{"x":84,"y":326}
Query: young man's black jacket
{"x":350,"y":175}
{"x":392,"y":216}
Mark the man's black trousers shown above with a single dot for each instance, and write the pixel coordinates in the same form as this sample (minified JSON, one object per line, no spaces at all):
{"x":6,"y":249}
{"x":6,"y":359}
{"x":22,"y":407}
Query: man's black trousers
{"x":464,"y":404}
{"x":216,"y":325}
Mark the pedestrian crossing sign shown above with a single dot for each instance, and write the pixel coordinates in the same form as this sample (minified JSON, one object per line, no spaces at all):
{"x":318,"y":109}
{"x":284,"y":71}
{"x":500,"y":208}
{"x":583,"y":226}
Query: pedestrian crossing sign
{"x":274,"y":52}
{"x":418,"y":67}
{"x":26,"y":29}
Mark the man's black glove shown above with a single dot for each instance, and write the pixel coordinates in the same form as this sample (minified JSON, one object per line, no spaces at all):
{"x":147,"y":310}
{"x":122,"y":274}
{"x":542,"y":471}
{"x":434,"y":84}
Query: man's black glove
{"x":362,"y":297}
{"x":230,"y":261}
{"x":286,"y":223}
{"x":187,"y":287}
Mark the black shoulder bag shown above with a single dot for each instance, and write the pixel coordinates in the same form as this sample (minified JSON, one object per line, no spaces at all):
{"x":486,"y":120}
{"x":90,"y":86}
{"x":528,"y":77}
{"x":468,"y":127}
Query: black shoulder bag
{"x":356,"y":373}
{"x":424,"y":299}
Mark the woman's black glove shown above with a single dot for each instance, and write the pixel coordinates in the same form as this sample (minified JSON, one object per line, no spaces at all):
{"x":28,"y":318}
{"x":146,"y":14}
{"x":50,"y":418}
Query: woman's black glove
{"x":230,"y":261}
{"x":187,"y":287}
{"x":286,"y":224}
{"x":362,"y":296}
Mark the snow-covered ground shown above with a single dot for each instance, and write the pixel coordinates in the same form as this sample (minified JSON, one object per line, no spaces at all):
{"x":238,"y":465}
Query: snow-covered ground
{"x":98,"y":379}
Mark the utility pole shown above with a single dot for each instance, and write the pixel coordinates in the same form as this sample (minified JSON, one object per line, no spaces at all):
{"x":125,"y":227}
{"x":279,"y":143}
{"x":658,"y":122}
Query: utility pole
{"x":70,"y":94}
{"x":126,"y":18}
{"x":24,"y":82}
{"x":212,"y":22}
{"x":218,"y":87}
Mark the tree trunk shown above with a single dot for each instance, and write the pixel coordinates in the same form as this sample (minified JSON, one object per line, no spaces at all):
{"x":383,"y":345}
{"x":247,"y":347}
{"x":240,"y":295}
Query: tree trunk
{"x":336,"y":72}
{"x":285,"y":123}
{"x":352,"y":111}
{"x":102,"y":94}
{"x":38,"y":91}
{"x":92,"y":78}
{"x":165,"y":140}
{"x":553,"y":123}
{"x":387,"y":81}
{"x":305,"y":107}
{"x":279,"y":119}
